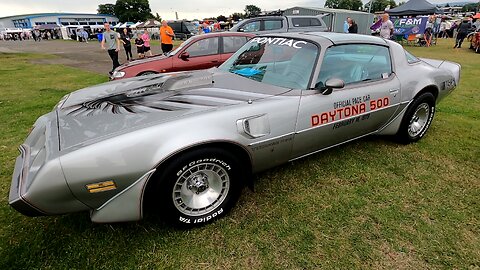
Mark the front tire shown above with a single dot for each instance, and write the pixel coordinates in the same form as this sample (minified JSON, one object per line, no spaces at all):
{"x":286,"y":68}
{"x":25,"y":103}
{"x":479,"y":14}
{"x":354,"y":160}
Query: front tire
{"x":146,"y":73}
{"x":417,"y":118}
{"x":199,"y":187}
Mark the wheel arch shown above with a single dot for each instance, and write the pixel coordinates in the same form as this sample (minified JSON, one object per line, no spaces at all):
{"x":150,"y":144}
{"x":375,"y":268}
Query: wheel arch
{"x":393,"y":127}
{"x":429,"y":88}
{"x":232,"y":147}
{"x":145,"y":72}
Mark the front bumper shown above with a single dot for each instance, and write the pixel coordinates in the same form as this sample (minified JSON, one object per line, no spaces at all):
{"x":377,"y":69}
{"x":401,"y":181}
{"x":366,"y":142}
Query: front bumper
{"x":16,"y":197}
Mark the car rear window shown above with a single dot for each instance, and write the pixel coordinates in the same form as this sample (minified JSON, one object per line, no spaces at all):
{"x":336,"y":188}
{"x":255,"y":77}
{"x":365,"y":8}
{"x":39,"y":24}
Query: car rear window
{"x":305,"y":22}
{"x":273,"y":24}
{"x":232,"y":44}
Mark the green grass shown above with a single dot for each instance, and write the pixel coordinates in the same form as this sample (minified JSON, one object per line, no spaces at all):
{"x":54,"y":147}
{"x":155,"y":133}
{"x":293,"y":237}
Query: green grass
{"x":367,"y":204}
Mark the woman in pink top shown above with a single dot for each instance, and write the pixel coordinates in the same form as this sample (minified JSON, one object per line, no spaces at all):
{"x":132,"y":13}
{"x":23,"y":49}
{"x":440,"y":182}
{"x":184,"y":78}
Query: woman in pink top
{"x":146,"y":43}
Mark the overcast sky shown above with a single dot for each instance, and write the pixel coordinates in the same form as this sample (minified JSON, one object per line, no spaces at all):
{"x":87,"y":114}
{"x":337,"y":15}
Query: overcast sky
{"x":187,"y":9}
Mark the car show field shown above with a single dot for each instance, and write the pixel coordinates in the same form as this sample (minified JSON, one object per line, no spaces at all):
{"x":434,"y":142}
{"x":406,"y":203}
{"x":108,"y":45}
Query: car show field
{"x":372,"y":203}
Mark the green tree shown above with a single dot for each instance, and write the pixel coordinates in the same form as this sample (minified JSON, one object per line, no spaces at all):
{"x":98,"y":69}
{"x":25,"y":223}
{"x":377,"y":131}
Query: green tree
{"x":380,"y":5}
{"x":237,"y":16}
{"x":221,"y":18}
{"x":471,"y":7}
{"x":252,"y":11}
{"x":106,"y":9}
{"x":132,"y":10}
{"x":344,"y":4}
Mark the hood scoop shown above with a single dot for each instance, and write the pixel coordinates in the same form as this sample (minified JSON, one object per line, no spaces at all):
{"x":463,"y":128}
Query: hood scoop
{"x":152,"y":95}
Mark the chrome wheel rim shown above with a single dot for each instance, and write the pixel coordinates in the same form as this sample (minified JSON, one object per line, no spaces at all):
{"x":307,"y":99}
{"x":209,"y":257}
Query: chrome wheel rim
{"x":419,"y":120}
{"x":200,"y":189}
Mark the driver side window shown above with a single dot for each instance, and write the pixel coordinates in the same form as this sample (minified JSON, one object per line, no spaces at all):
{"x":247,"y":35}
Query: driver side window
{"x":207,"y":46}
{"x":355,"y":63}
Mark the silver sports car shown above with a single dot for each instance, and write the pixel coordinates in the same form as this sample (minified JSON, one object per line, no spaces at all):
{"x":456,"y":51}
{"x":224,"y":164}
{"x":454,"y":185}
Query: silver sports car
{"x":186,"y":143}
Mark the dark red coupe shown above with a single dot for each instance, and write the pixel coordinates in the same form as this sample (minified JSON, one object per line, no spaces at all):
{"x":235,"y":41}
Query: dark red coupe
{"x":198,"y":52}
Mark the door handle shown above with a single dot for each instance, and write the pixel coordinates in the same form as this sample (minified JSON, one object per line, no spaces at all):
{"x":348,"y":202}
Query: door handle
{"x":394,"y":91}
{"x":215,"y":61}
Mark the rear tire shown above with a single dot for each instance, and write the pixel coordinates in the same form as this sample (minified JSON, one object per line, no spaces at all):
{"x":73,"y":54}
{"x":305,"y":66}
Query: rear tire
{"x":417,"y":119}
{"x":198,"y":187}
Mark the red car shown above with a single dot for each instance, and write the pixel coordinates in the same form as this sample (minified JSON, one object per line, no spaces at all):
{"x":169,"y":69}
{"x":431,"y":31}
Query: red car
{"x":198,"y":52}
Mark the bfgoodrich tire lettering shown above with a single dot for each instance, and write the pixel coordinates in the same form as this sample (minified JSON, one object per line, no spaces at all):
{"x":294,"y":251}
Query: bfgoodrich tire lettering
{"x":199,"y":186}
{"x":417,"y":118}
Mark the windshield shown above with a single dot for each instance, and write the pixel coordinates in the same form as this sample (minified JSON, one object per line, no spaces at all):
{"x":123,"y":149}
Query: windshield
{"x":273,"y":60}
{"x":188,"y":41}
{"x":190,"y":27}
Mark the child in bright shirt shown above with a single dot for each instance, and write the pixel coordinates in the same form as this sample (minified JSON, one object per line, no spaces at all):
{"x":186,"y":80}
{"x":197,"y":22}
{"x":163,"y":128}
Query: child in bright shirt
{"x":146,"y":43}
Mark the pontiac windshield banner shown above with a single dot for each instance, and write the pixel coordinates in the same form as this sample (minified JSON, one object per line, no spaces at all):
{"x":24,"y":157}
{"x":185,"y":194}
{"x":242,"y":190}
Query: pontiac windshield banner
{"x":410,"y":26}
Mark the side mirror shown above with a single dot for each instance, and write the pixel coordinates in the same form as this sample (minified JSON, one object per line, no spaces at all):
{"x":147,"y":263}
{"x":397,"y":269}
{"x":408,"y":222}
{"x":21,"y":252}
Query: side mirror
{"x":330,"y":84}
{"x":184,"y":56}
{"x":241,"y":30}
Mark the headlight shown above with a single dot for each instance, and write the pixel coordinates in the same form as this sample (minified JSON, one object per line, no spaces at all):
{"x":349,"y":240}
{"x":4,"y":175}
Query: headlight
{"x":118,"y":74}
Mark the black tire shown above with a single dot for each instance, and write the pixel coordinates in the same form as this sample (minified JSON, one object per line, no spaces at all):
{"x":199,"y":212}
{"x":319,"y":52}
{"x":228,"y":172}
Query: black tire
{"x":198,"y":175}
{"x":413,"y":128}
{"x":147,"y":73}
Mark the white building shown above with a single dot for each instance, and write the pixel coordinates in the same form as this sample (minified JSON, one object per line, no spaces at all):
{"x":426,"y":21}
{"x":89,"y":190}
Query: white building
{"x":60,"y":19}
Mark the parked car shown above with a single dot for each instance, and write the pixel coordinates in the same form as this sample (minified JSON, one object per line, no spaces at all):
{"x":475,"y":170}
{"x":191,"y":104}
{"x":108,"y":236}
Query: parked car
{"x":278,"y":24}
{"x":198,"y":52}
{"x":183,"y":29}
{"x":185,"y":143}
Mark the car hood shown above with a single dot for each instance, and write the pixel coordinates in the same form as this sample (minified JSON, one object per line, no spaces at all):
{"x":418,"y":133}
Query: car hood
{"x":121,"y":106}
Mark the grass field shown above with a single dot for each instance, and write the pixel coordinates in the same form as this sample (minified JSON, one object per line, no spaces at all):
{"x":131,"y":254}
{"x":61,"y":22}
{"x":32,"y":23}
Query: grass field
{"x":367,"y":204}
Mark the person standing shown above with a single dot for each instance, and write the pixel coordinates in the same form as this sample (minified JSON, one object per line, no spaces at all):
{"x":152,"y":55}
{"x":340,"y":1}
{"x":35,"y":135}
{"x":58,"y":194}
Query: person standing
{"x":146,"y":43}
{"x":462,"y":32}
{"x":345,"y":25}
{"x":139,"y":45}
{"x":352,"y":26}
{"x":126,"y":39}
{"x":111,"y":40}
{"x":386,"y":30}
{"x":166,"y":36}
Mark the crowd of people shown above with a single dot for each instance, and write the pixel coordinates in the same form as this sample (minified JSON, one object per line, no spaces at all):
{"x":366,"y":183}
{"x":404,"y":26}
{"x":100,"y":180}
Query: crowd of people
{"x":112,"y":42}
{"x":35,"y":34}
{"x":437,"y":26}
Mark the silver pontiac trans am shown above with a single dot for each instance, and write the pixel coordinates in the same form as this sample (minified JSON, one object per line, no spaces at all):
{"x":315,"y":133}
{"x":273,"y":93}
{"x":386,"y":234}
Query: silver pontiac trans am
{"x":185,"y":144}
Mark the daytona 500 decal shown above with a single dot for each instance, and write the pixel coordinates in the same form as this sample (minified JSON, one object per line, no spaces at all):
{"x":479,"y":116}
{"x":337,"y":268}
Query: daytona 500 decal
{"x":349,"y":108}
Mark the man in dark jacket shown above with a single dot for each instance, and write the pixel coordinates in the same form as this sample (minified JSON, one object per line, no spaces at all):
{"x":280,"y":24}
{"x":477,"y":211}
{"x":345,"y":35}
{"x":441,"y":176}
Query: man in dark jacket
{"x":463,"y":28}
{"x":352,"y":26}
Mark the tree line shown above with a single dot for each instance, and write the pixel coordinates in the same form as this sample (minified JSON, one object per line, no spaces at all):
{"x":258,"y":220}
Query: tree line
{"x":139,"y":10}
{"x":376,"y":5}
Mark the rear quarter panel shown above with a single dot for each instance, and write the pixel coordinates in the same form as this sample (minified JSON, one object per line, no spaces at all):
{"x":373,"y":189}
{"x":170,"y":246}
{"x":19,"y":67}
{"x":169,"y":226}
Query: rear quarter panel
{"x":417,"y":76}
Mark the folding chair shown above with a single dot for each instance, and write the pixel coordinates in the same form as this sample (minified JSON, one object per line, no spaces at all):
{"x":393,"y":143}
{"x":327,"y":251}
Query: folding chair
{"x":412,"y":39}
